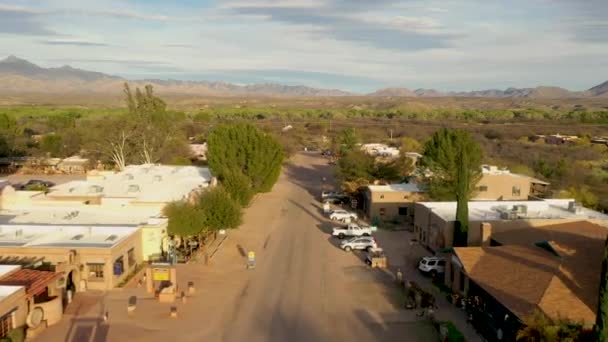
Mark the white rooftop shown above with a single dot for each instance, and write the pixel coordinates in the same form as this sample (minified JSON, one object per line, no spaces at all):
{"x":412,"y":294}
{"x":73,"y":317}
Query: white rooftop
{"x":6,"y":269}
{"x":7,"y":290}
{"x":80,"y":215}
{"x":140,"y":183}
{"x":63,"y":236}
{"x":491,"y":210}
{"x":401,"y":187}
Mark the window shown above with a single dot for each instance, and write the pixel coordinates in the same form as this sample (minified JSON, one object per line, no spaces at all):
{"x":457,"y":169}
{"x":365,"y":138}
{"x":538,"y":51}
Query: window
{"x":382,"y":211}
{"x":96,"y":271}
{"x":119,"y":266}
{"x":482,"y":188}
{"x":403,"y":211}
{"x":6,"y":324}
{"x":431,"y":263}
{"x":441,"y":263}
{"x":516,"y":191}
{"x":131,"y":257}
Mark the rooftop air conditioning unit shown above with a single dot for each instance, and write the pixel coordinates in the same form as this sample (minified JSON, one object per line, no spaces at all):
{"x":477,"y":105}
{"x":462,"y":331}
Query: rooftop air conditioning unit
{"x":521,"y":209}
{"x":508,"y":215}
{"x":574,"y":207}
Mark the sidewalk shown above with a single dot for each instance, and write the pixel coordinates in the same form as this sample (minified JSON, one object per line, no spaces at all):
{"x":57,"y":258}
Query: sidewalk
{"x":404,"y":256}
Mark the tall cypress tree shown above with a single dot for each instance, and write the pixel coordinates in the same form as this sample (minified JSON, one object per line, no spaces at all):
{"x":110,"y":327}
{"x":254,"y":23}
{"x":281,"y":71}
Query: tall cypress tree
{"x":601,"y":321}
{"x":454,"y":158}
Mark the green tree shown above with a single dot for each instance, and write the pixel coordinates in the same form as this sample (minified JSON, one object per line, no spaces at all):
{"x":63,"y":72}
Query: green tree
{"x":53,"y":144}
{"x":244,"y":149}
{"x":601,"y":322}
{"x":347,"y":140}
{"x":354,"y":170}
{"x":454,"y":158}
{"x":410,"y":145}
{"x":5,"y":148}
{"x":221,"y":211}
{"x":154,"y":127}
{"x":582,"y":194}
{"x":185,"y":219}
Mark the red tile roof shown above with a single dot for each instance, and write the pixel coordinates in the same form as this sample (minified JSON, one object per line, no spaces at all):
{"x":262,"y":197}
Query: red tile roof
{"x":33,"y":280}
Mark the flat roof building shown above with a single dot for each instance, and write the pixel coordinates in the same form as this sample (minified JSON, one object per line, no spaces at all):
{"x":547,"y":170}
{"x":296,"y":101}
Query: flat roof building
{"x":392,"y":202}
{"x":136,"y":184}
{"x":434,"y":221}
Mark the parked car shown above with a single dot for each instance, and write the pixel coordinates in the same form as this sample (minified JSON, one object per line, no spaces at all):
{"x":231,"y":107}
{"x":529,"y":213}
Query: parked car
{"x":352,"y":229}
{"x":359,"y":243}
{"x":336,"y":199}
{"x":432,"y":265}
{"x":37,"y":182}
{"x":326,"y":194}
{"x":341,"y":214}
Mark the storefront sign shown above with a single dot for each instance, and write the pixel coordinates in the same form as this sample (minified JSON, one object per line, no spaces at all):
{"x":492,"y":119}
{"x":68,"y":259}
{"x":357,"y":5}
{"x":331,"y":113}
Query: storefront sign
{"x":160,"y":274}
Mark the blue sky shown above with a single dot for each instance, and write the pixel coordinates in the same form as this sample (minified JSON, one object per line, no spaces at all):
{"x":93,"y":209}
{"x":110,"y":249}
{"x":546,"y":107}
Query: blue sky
{"x":357,"y":45}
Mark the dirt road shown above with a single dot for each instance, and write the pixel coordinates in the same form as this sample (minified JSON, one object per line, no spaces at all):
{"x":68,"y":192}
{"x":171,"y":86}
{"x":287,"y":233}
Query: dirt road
{"x":304,"y":288}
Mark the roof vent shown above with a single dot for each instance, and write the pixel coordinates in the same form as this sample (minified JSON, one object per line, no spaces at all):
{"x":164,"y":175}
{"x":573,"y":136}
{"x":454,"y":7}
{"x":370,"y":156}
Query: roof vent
{"x":128,"y":176}
{"x":95,"y":189}
{"x":77,"y":237}
{"x":158,"y":178}
{"x":133,"y":188}
{"x":18,"y":232}
{"x":112,"y":237}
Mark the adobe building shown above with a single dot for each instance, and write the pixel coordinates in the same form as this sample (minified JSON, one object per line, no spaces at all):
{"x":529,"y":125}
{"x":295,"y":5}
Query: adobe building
{"x":434,"y":221}
{"x":392,"y":201}
{"x":29,"y":298}
{"x":97,"y":231}
{"x":501,"y":185}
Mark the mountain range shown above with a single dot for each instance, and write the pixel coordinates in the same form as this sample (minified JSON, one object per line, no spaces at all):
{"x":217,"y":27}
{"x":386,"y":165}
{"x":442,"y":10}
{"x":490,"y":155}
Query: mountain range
{"x":21,"y":76}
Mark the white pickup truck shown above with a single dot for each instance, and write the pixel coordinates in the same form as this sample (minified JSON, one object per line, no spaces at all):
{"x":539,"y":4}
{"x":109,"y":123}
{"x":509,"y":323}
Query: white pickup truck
{"x":352,"y":229}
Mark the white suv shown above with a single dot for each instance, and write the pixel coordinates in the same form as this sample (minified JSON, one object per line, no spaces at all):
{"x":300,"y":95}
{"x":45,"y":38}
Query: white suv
{"x":360,"y":243}
{"x":342,"y":215}
{"x":432,"y":265}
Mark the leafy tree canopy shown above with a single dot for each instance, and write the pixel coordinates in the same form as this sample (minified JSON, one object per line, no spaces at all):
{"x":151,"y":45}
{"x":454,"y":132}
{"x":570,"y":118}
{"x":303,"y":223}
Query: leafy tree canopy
{"x":184,"y":219}
{"x":221,"y":211}
{"x":410,"y":145}
{"x":244,"y":149}
{"x":442,"y":156}
{"x":53,"y":144}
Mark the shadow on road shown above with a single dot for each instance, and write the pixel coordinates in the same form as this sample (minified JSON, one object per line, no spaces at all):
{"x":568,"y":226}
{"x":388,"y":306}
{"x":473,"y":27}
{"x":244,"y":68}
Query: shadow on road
{"x":310,"y":178}
{"x":307,"y":210}
{"x":87,"y":329}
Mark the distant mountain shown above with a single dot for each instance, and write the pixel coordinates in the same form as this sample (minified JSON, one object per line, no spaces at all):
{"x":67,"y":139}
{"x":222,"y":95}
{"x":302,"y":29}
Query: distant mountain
{"x":599,"y":90}
{"x":18,"y":75}
{"x":21,"y":67}
{"x":428,"y":93}
{"x":403,"y":92}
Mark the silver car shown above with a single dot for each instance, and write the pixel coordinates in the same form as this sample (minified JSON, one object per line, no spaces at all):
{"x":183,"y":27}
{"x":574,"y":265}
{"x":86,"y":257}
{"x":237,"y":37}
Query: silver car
{"x":360,"y":243}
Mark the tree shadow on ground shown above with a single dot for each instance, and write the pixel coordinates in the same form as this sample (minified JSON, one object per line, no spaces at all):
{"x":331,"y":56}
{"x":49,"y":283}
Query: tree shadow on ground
{"x":87,"y":329}
{"x":310,"y":178}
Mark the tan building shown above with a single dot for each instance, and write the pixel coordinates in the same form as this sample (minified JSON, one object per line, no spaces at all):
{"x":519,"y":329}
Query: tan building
{"x":553,"y":269}
{"x":29,"y":298}
{"x":434,"y":221}
{"x":392,"y":201}
{"x":502,"y":185}
{"x":90,"y":257}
